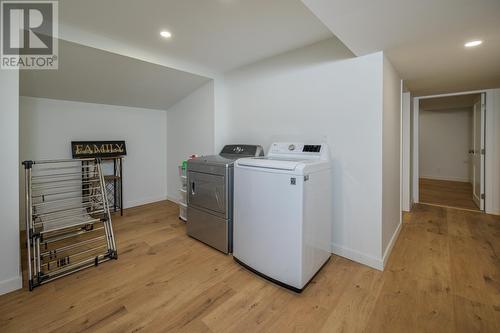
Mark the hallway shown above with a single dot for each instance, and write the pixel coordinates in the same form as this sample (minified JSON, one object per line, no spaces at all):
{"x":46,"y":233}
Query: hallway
{"x":447,"y":193}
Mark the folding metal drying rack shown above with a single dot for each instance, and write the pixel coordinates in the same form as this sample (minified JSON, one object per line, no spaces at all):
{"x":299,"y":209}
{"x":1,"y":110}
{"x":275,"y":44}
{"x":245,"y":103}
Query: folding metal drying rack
{"x":68,"y":222}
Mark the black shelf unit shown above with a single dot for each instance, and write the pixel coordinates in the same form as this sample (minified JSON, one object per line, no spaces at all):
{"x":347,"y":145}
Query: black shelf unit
{"x":114,"y":183}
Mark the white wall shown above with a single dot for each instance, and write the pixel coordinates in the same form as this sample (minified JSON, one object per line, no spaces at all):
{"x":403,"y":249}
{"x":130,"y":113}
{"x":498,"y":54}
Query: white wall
{"x":320,"y":92}
{"x":190,"y":131}
{"x":10,"y":275}
{"x":414,"y":155}
{"x":492,"y":176}
{"x":406,"y":113}
{"x":391,"y":158}
{"x":445,"y":139}
{"x":48,"y":126}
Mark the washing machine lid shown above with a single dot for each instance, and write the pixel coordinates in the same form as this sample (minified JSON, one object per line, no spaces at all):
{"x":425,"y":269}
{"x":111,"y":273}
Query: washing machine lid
{"x":270,"y":162}
{"x":291,"y":157}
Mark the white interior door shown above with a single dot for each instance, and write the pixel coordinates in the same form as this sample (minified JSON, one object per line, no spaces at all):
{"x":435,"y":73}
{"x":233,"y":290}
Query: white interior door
{"x":478,"y":153}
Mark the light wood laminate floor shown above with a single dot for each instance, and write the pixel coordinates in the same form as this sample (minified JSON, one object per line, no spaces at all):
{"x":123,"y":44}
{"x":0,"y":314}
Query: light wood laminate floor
{"x":447,"y":193}
{"x":443,"y":276}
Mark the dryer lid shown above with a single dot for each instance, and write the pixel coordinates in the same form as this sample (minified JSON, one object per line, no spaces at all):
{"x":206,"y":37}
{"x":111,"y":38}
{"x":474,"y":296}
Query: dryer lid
{"x":236,"y":151}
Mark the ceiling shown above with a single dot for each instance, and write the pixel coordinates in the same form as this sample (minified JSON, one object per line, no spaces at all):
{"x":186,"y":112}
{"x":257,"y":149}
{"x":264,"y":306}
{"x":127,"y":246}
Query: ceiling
{"x":449,"y":102}
{"x":95,"y":76}
{"x":423,"y":39}
{"x":209,"y":36}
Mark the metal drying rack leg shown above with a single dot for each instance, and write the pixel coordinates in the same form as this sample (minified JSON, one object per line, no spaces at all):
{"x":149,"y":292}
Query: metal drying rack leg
{"x":62,"y":222}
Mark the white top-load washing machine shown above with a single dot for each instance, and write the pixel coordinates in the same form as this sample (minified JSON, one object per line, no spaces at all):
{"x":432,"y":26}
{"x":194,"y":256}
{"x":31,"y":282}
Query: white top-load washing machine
{"x":283,"y":213}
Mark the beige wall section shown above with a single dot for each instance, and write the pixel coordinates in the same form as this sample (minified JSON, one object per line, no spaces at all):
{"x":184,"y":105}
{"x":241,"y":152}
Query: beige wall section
{"x":492,"y":200}
{"x":48,"y":126}
{"x":445,"y":139}
{"x":320,"y":92}
{"x":406,"y":114}
{"x":10,"y":275}
{"x":391,"y":157}
{"x":190,"y":130}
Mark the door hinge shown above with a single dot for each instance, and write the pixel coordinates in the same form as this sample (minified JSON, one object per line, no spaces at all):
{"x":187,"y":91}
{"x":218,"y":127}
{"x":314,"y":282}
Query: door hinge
{"x":483,"y":196}
{"x":483,"y":151}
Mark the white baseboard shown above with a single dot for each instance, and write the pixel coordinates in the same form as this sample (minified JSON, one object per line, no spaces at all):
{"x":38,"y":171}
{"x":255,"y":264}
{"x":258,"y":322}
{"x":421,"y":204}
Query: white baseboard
{"x":358,"y":257}
{"x":143,"y":201}
{"x":493,"y":212}
{"x":6,"y":286}
{"x":367,"y":259}
{"x":453,"y":179}
{"x":173,"y":199}
{"x":389,"y":247}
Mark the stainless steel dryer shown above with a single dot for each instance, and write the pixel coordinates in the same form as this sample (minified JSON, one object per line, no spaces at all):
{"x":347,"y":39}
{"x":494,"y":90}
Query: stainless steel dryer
{"x":210,"y":195}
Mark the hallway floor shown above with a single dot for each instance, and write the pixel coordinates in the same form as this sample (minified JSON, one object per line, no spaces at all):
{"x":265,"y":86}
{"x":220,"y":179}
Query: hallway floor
{"x":442,"y":276}
{"x":447,"y":193}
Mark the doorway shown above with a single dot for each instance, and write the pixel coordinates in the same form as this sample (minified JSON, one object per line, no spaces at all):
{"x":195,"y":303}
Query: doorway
{"x":451,"y":138}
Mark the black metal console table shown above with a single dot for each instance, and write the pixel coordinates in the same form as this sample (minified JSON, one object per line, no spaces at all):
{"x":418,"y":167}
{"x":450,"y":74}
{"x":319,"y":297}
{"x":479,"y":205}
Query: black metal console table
{"x":114,"y":183}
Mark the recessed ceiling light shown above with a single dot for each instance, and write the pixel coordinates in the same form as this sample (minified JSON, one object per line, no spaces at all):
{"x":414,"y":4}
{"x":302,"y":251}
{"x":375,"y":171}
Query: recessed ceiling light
{"x":473,"y":43}
{"x":166,"y":34}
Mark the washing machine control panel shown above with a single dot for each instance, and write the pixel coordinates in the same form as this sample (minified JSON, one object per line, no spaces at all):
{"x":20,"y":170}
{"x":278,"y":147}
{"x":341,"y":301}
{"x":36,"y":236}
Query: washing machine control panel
{"x":311,"y":148}
{"x":296,"y":148}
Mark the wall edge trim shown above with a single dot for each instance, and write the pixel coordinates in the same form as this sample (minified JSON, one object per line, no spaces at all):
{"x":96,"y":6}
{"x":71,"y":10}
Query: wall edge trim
{"x":390,"y":246}
{"x":358,"y":257}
